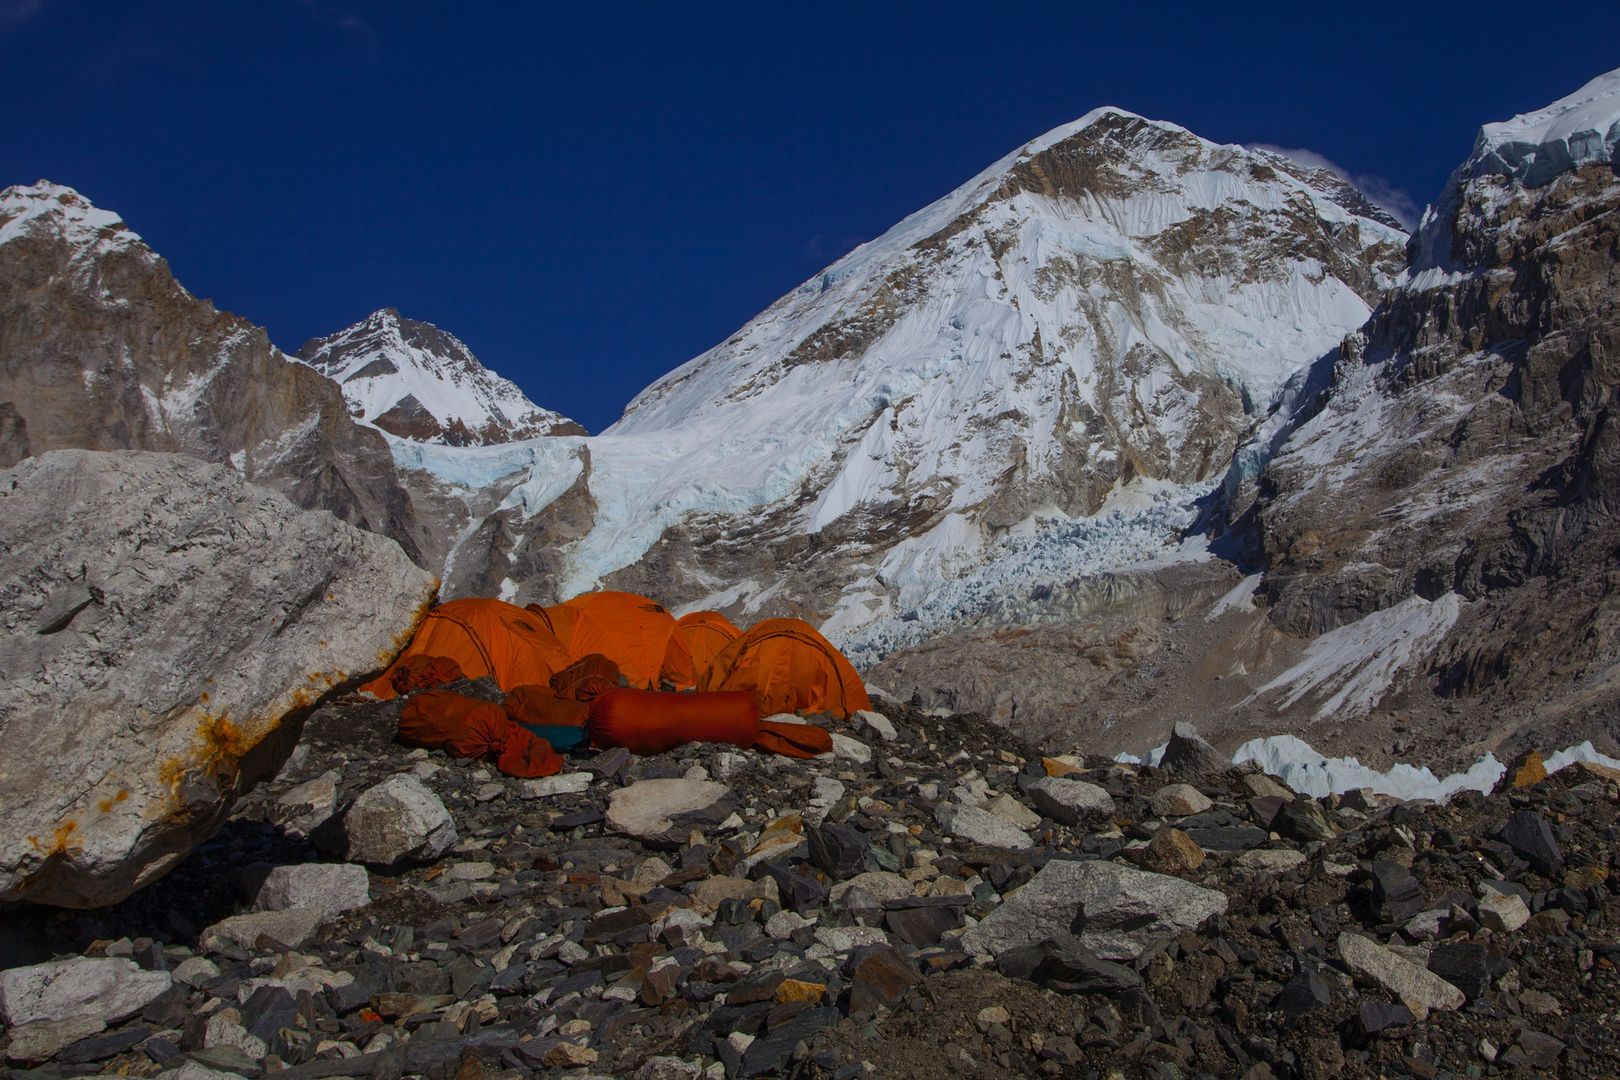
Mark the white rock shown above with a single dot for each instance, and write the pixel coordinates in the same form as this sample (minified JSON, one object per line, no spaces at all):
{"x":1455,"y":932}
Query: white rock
{"x":1418,"y":988}
{"x":646,"y":808}
{"x":883,"y":885}
{"x":396,"y":821}
{"x":470,"y":871}
{"x":785,"y":923}
{"x":290,"y":927}
{"x":1119,"y":909}
{"x":188,"y":613}
{"x":880,"y":724}
{"x":1179,"y":800}
{"x":573,"y":783}
{"x":824,"y":796}
{"x":223,"y":1031}
{"x":1012,"y":812}
{"x":1503,"y":913}
{"x":195,"y":970}
{"x":843,"y":939}
{"x":330,"y":887}
{"x":1068,"y":801}
{"x":980,"y":827}
{"x":108,"y":990}
{"x":851,"y":749}
{"x":1269,"y":860}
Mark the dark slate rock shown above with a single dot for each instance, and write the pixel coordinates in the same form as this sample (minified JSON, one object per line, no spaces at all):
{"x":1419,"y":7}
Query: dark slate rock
{"x":839,"y":851}
{"x":1396,"y":892}
{"x":879,"y":976}
{"x":1377,"y":1016}
{"x":1303,"y":820}
{"x":1531,"y":837}
{"x":769,"y":1055}
{"x":1063,"y":963}
{"x":267,"y":1012}
{"x":103,"y":1046}
{"x":921,"y":926}
{"x":1305,"y":992}
{"x":800,"y":892}
{"x":1467,"y":965}
{"x":1187,"y":754}
{"x":1228,"y":838}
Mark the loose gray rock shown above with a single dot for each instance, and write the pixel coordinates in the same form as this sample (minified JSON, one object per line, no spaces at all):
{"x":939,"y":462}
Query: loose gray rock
{"x":574,"y":783}
{"x":169,"y":615}
{"x":1418,"y":988}
{"x":331,"y":887}
{"x":647,"y":808}
{"x":1068,"y":801}
{"x":980,"y":827}
{"x":41,"y":1039}
{"x":397,"y":821}
{"x":1119,"y":908}
{"x":291,"y":927}
{"x":1187,"y":754}
{"x":1179,"y":800}
{"x":305,"y":807}
{"x":107,"y":990}
{"x":881,"y":725}
{"x":1270,"y":860}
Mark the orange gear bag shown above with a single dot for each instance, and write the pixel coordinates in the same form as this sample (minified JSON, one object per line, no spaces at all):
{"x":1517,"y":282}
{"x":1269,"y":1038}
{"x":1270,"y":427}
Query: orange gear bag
{"x":469,"y":728}
{"x":650,"y":722}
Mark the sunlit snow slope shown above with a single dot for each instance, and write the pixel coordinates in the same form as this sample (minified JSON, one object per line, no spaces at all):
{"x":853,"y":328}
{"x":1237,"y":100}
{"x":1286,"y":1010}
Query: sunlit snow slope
{"x":1114,"y":303}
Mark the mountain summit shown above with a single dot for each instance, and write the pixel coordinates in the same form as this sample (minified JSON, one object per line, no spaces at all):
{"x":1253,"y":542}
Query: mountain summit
{"x":418,"y":382}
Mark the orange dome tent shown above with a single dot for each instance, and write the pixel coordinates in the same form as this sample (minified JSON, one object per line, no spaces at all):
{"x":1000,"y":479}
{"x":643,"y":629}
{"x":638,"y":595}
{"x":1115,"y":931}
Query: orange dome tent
{"x":484,"y":637}
{"x":788,"y":667}
{"x":632,"y":631}
{"x":699,"y":637}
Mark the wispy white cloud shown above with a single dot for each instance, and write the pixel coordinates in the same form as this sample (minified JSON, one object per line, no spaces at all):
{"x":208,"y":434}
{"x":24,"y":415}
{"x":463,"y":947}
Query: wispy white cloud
{"x":348,"y":21}
{"x":1378,"y":189}
{"x":15,"y":11}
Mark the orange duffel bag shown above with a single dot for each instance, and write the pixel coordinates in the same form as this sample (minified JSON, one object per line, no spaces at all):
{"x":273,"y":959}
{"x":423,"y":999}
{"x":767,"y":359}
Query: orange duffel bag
{"x":650,"y":721}
{"x":467,"y":727}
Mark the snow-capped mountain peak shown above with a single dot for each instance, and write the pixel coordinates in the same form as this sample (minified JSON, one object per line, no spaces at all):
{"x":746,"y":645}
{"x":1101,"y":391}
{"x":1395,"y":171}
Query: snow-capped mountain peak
{"x":65,"y":213}
{"x":419,"y":382}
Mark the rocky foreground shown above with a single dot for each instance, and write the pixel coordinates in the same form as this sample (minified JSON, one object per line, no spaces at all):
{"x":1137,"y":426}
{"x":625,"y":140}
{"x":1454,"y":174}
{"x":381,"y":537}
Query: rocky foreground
{"x":929,"y":899}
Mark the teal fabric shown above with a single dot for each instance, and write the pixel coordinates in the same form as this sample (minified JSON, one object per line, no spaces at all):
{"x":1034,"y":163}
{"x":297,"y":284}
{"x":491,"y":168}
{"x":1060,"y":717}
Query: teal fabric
{"x":561,"y":738}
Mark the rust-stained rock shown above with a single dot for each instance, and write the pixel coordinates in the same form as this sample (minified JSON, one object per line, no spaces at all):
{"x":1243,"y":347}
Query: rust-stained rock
{"x":159,"y":618}
{"x":1527,"y":770}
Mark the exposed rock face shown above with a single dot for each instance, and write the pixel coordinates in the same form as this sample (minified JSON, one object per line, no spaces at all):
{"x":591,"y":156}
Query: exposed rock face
{"x":1466,"y":451}
{"x":101,"y":349}
{"x":159,"y":618}
{"x":418,"y":382}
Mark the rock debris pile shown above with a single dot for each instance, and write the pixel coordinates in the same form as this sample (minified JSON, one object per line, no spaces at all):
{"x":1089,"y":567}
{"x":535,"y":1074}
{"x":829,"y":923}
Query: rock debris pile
{"x":931,"y":898}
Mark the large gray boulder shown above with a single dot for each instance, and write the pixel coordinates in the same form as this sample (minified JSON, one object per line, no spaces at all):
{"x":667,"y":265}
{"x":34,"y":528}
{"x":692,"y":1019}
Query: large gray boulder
{"x":1114,"y":909}
{"x":160,"y":618}
{"x":396,"y":822}
{"x":106,"y":990}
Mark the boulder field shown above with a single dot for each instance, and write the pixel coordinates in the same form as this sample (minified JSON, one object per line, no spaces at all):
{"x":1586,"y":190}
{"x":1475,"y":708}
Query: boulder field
{"x":380,"y":911}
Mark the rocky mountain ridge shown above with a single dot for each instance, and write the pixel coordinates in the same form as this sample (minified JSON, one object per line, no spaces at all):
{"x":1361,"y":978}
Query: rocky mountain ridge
{"x":416,"y":381}
{"x":101,"y":349}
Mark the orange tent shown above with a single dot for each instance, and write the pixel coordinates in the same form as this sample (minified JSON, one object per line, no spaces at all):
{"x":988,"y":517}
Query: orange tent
{"x":788,"y":667}
{"x":630,"y":630}
{"x":699,"y":636}
{"x":485,"y":637}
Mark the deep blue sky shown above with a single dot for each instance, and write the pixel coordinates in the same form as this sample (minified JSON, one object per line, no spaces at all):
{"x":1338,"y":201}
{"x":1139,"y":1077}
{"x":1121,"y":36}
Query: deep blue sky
{"x":589,"y":196}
